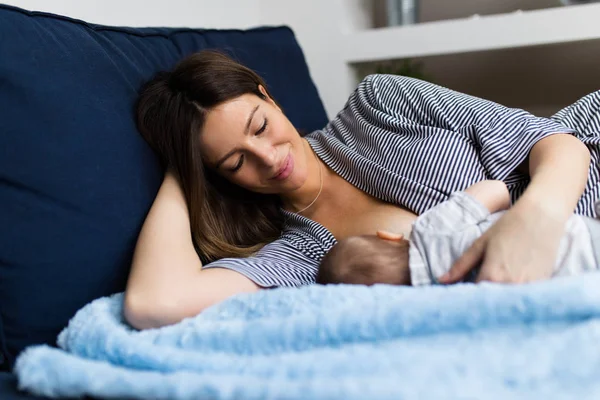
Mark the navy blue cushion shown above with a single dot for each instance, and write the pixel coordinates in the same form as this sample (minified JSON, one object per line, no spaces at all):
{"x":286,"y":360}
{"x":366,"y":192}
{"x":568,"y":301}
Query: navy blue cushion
{"x":76,"y":179}
{"x":9,"y":391}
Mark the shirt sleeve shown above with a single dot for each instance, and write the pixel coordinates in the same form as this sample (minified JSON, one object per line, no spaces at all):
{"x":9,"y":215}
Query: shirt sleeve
{"x":503,"y":136}
{"x":460,"y":211}
{"x":442,"y":234}
{"x":276,"y":264}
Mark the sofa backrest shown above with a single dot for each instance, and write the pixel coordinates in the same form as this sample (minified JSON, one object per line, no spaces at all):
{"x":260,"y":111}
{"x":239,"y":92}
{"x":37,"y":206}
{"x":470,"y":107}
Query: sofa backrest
{"x":76,"y":178}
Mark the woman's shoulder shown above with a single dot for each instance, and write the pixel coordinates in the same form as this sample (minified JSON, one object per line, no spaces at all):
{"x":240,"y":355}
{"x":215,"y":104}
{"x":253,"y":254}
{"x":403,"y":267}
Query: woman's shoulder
{"x":369,"y":108}
{"x":382,"y":79}
{"x":380,"y":92}
{"x":378,"y":82}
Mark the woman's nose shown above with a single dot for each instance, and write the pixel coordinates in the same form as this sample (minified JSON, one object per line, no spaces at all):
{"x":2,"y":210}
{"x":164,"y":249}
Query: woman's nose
{"x":267,"y":154}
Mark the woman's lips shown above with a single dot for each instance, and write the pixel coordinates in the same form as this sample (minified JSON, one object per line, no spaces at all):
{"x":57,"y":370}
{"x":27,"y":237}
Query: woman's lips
{"x":286,"y":169}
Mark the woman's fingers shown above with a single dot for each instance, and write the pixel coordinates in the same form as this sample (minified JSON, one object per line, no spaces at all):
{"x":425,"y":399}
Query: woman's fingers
{"x":469,"y":260}
{"x":492,"y":273}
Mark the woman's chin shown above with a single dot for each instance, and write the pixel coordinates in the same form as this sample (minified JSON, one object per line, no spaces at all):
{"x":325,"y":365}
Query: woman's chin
{"x":297,"y":180}
{"x":286,"y":186}
{"x":289,"y":187}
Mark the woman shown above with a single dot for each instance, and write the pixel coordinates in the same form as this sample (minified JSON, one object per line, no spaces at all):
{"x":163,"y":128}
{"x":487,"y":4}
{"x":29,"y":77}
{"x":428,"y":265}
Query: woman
{"x":247,"y":203}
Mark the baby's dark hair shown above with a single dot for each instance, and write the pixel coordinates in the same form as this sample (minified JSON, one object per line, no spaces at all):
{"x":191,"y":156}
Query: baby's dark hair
{"x":365,"y":260}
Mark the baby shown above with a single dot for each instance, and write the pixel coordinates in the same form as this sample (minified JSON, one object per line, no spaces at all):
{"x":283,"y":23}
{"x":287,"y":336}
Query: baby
{"x":440,"y":236}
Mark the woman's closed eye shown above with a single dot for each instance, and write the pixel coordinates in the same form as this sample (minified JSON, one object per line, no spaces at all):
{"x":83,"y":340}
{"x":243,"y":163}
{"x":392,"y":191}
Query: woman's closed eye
{"x":238,"y":165}
{"x":240,"y":162}
{"x":262,"y":128}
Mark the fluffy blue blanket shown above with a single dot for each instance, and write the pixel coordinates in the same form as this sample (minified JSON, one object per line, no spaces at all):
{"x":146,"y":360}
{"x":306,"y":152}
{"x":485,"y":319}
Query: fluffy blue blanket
{"x":536,"y":341}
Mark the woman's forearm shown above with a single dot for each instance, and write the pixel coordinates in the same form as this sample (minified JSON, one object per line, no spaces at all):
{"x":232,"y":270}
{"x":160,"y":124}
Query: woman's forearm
{"x":522,"y":245}
{"x":559,"y":167}
{"x":165,"y":239}
{"x":166,"y":283}
{"x":164,"y":254}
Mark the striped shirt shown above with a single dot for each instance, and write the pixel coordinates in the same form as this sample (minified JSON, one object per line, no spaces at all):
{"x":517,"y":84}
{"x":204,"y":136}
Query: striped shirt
{"x":413,"y":143}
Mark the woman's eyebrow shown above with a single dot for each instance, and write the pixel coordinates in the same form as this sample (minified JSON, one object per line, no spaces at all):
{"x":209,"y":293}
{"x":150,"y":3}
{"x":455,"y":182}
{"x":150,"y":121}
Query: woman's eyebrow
{"x":246,"y":129}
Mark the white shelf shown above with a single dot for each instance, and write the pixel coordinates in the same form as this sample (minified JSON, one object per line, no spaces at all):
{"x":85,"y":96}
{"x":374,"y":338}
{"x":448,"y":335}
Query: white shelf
{"x":493,"y":32}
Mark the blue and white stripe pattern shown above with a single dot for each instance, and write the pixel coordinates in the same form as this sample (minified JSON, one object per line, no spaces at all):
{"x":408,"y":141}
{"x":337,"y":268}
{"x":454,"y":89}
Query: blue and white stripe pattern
{"x":412,"y":143}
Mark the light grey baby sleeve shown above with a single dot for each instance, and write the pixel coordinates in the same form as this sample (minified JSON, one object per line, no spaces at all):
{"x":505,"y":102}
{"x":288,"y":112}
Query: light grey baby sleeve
{"x":441,"y":235}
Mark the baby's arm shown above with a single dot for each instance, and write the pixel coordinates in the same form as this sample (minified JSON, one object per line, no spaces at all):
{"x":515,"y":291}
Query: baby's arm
{"x":443,"y":233}
{"x":465,"y":208}
{"x":492,"y":194}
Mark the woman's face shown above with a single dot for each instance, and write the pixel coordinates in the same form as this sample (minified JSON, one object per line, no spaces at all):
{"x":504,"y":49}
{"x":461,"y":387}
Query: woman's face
{"x":251,"y":143}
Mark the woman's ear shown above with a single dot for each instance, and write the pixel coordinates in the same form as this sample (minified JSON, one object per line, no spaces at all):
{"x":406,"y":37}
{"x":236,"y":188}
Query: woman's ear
{"x":394,"y":237}
{"x":263,"y":91}
{"x":266,"y":97}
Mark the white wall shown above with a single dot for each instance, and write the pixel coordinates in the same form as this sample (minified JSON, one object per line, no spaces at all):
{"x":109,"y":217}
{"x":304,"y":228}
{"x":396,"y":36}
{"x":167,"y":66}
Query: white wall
{"x":319,"y":26}
{"x":171,"y":13}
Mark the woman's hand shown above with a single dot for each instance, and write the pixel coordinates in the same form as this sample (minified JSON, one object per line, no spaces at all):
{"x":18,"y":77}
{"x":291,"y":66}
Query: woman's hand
{"x":520,"y":247}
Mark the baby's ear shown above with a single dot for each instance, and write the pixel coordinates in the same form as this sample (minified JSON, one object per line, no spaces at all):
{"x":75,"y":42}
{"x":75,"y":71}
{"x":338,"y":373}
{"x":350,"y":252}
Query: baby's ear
{"x":395,"y":237}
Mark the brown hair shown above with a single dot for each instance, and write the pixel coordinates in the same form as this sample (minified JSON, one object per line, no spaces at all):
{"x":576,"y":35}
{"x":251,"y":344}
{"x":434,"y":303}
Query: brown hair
{"x":365,"y":260}
{"x":226,"y":220}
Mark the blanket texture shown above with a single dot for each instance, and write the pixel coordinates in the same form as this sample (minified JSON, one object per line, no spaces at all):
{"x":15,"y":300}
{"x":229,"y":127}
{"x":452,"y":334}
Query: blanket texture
{"x":535,"y":341}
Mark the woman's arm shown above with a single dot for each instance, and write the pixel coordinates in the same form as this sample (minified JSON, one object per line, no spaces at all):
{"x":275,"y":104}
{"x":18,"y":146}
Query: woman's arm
{"x":559,"y":167}
{"x":503,"y":137}
{"x":166,"y":283}
{"x":522,"y":245}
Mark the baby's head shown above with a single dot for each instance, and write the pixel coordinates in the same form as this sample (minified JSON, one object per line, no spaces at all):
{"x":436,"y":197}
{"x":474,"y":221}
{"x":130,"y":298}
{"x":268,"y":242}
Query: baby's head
{"x":367,"y":260}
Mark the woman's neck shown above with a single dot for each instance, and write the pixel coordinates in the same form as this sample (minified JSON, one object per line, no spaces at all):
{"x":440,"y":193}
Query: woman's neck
{"x":311,"y":190}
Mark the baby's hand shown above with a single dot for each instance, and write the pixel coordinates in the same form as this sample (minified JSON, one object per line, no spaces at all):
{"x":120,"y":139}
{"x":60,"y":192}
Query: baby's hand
{"x":493,"y":194}
{"x":394,"y":237}
{"x":398,"y":238}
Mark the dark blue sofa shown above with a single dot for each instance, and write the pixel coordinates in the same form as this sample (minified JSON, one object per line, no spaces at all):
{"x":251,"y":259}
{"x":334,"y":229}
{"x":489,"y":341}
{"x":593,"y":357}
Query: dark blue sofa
{"x":76,"y":179}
